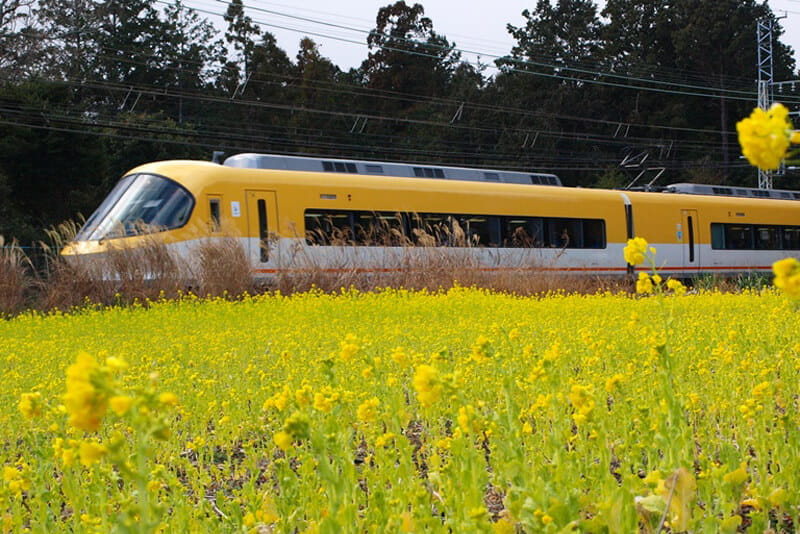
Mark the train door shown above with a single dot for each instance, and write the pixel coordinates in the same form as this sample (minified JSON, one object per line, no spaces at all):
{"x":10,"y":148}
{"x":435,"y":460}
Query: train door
{"x":691,"y":239}
{"x":262,"y":222}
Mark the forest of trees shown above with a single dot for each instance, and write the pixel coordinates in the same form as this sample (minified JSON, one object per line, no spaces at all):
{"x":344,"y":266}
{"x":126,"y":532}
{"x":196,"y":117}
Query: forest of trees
{"x":89,"y":89}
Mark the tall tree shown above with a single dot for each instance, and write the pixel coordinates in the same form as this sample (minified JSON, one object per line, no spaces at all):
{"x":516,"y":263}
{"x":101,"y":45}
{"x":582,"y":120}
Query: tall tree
{"x":406,"y":54}
{"x":315,"y":73}
{"x":638,"y":34}
{"x":697,"y":46}
{"x":558,"y":36}
{"x":242,"y":34}
{"x":189,"y":55}
{"x":272,"y":71}
{"x":51,"y":175}
{"x":316,"y":91}
{"x":17,"y":46}
{"x":716,"y":40}
{"x":546,"y":75}
{"x":70,"y":31}
{"x":129,"y":38}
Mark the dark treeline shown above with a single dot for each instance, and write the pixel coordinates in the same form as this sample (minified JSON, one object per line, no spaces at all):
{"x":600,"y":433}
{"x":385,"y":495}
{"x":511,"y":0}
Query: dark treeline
{"x":89,"y":89}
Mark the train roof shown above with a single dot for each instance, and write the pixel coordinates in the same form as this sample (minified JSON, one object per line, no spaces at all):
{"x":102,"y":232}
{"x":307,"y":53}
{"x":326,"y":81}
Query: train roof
{"x":262,"y":162}
{"x":731,"y":191}
{"x":383,"y":168}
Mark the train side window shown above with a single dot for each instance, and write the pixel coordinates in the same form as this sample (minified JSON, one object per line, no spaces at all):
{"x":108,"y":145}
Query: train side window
{"x":594,"y":233}
{"x":379,"y":229}
{"x":431,"y":229}
{"x":791,"y":237}
{"x":316,"y":228}
{"x":718,"y":236}
{"x":565,"y":233}
{"x":739,"y":237}
{"x":767,"y":238}
{"x":215,"y":217}
{"x":328,"y":227}
{"x":365,"y":228}
{"x":480,"y":230}
{"x":392,"y":227}
{"x":522,"y":232}
{"x":340,"y":224}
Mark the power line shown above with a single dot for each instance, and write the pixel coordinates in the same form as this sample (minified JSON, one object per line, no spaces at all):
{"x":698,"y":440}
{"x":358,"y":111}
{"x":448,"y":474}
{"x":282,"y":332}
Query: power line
{"x":687,"y":89}
{"x":572,"y":136}
{"x":539,"y":61}
{"x":174,"y":93}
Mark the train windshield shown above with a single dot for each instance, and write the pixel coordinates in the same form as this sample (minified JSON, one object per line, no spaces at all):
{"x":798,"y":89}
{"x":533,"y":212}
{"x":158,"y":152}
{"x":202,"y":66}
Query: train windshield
{"x":140,"y":203}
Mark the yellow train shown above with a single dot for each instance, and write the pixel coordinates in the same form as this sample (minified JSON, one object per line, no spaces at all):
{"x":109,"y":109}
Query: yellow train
{"x":294,"y":213}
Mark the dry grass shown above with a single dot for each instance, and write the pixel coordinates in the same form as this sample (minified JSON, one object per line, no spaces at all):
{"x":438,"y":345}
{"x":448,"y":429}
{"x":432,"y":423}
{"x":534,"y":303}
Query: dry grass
{"x":148,"y":272}
{"x":220,"y":268}
{"x":17,"y":278}
{"x":418,"y":263}
{"x":223,"y":268}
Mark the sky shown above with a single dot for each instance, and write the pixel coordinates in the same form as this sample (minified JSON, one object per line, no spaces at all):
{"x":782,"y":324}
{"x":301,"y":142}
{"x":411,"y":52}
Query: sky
{"x":340,"y":27}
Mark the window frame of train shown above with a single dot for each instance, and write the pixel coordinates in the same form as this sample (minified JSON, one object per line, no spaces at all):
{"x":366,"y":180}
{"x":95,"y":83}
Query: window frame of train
{"x":384,"y":228}
{"x":738,"y":236}
{"x":454,"y":230}
{"x":215,"y":213}
{"x":554,"y":232}
{"x":328,"y":227}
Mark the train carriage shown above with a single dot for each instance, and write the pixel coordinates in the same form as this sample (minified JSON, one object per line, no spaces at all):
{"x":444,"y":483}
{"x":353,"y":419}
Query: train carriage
{"x":300,"y":213}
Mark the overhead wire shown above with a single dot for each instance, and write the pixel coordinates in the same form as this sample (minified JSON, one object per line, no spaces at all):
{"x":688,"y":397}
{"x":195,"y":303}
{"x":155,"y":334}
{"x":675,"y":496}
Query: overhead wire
{"x":539,"y":59}
{"x":527,"y":111}
{"x":584,"y":136}
{"x":173,"y":93}
{"x":692,"y":90}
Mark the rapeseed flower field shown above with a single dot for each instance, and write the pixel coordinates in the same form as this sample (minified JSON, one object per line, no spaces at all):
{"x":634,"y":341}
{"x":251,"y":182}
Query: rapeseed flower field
{"x":397,"y":411}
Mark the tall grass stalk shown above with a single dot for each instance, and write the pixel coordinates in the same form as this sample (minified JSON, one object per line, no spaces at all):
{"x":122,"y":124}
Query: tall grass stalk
{"x":16,"y":277}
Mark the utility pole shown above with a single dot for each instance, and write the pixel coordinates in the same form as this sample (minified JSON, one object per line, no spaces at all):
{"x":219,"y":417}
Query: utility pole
{"x":764,"y":37}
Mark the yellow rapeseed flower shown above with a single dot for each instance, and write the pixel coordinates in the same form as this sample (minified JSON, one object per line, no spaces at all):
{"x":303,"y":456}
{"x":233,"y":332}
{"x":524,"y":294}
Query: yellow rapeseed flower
{"x":348,"y":348}
{"x":384,"y":439}
{"x":324,"y":403}
{"x":581,"y":399}
{"x":764,"y":136}
{"x":16,"y":479}
{"x":644,"y":284}
{"x":283,"y":440}
{"x":467,"y":419}
{"x":368,"y":410}
{"x":169,"y":399}
{"x":787,"y":276}
{"x":400,"y":357}
{"x":116,"y":364}
{"x":30,"y":405}
{"x":635,"y":250}
{"x":279,"y":400}
{"x":91,"y":452}
{"x":120,"y":404}
{"x":85,"y":403}
{"x":676,"y":286}
{"x":427,"y":385}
